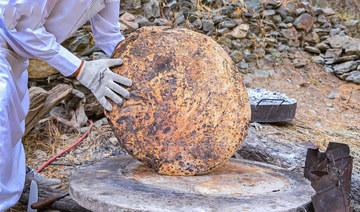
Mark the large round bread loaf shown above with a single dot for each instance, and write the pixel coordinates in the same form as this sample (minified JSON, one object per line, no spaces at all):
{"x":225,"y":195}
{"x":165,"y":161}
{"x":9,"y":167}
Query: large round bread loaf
{"x":188,"y":111}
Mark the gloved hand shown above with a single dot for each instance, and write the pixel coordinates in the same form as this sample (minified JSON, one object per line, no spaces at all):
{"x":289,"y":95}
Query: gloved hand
{"x":96,"y":76}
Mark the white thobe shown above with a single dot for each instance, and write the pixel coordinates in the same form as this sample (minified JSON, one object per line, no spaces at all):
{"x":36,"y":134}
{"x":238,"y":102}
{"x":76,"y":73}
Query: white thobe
{"x":37,"y":27}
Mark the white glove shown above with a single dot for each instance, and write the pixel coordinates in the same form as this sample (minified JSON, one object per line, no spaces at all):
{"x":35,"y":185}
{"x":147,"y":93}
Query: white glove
{"x":96,"y":76}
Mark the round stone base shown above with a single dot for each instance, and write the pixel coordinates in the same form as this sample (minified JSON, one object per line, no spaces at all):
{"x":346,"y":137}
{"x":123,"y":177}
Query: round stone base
{"x":124,"y":183}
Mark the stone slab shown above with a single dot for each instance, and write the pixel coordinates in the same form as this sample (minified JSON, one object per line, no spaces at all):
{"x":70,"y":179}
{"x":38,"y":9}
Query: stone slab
{"x":125,"y":184}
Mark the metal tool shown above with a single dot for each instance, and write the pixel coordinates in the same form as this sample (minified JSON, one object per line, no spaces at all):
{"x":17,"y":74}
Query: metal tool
{"x":45,"y":202}
{"x":270,"y":112}
{"x":33,"y":196}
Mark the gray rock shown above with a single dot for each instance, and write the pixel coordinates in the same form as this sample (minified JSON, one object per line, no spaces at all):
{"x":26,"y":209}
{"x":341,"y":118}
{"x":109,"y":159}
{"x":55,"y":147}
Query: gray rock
{"x":161,"y":22}
{"x":277,"y":18}
{"x":318,"y":11}
{"x":335,"y":31}
{"x":142,"y":21}
{"x":225,"y":41}
{"x":226,"y":10}
{"x":287,"y":33}
{"x":333,"y":95}
{"x":329,"y":69}
{"x":319,"y":60}
{"x":249,"y":57}
{"x":322,"y":46}
{"x":99,"y":55}
{"x":237,"y":56}
{"x":352,"y":49}
{"x":300,"y":11}
{"x":282,"y":12}
{"x":346,"y":58}
{"x":339,"y":41}
{"x":333,"y":53}
{"x":197,"y":24}
{"x":98,"y":123}
{"x":254,"y":5}
{"x":282,"y":47}
{"x":294,"y":43}
{"x":329,"y":11}
{"x":272,"y":5}
{"x":179,"y":18}
{"x":312,"y":49}
{"x":218,"y":19}
{"x":312,"y":38}
{"x":172,"y":4}
{"x":351,"y":23}
{"x":267,"y":13}
{"x":264,"y":73}
{"x":321,"y":19}
{"x":243,"y":65}
{"x":223,"y":31}
{"x":289,"y":19}
{"x":269,"y":58}
{"x":151,"y":9}
{"x":236,"y":44}
{"x":354,"y":77}
{"x":304,"y":22}
{"x":114,"y":141}
{"x":298,"y":64}
{"x":282,"y":25}
{"x":208,"y":26}
{"x":345,"y":67}
{"x":228,"y":24}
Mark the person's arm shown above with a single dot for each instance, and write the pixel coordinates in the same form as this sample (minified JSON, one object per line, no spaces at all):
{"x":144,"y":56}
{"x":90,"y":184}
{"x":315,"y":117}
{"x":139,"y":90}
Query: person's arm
{"x":106,"y":27}
{"x":41,"y":44}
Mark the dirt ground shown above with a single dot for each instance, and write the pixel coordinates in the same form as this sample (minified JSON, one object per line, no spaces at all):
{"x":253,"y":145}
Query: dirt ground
{"x":319,"y":119}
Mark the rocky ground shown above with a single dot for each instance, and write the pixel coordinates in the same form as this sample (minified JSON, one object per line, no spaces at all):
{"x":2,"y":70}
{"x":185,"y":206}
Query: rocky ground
{"x":310,"y":54}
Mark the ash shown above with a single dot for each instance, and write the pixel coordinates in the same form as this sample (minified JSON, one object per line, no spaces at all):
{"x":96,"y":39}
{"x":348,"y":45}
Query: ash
{"x":256,"y":95}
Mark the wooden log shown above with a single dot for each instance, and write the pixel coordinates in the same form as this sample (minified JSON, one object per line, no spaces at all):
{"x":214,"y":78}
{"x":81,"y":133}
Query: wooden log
{"x":42,"y":102}
{"x":64,"y":204}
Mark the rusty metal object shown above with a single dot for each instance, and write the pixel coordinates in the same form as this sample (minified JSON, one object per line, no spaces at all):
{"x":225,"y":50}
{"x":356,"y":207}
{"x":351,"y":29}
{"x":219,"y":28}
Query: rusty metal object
{"x":125,"y":184}
{"x":188,"y":111}
{"x":330,"y":176}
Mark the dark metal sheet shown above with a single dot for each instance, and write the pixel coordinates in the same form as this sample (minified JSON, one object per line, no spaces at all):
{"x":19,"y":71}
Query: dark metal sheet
{"x":267,"y":113}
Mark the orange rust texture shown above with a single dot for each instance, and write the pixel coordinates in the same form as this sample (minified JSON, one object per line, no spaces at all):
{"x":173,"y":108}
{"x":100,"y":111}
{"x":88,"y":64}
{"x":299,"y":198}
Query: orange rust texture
{"x":188,"y":111}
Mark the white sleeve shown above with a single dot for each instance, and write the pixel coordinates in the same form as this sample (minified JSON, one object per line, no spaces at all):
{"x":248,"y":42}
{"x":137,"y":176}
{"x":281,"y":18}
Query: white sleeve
{"x":106,"y":27}
{"x":41,"y":44}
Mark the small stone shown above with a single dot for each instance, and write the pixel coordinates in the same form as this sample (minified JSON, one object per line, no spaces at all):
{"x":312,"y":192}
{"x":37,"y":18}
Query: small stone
{"x":345,"y":67}
{"x":243,"y":65}
{"x":237,"y":56}
{"x":228,"y":24}
{"x":294,"y":43}
{"x":300,"y":11}
{"x":346,"y":58}
{"x":272,"y":5}
{"x":84,"y":130}
{"x":180,"y":18}
{"x":312,"y":49}
{"x":339,"y":41}
{"x":319,"y":60}
{"x":322,"y":46}
{"x":240,"y":31}
{"x":40,"y":154}
{"x":208,"y":26}
{"x":236,"y":44}
{"x":321,"y":19}
{"x":267,"y":13}
{"x":304,"y":22}
{"x":282,"y":11}
{"x":277,"y":18}
{"x":269,"y":58}
{"x":197,"y":24}
{"x":318,"y":124}
{"x":249,"y":57}
{"x":223,"y":31}
{"x":351,"y":24}
{"x":333,"y":95}
{"x":352,"y":49}
{"x":333,"y":53}
{"x":283,"y":25}
{"x":218,"y":19}
{"x":328,"y":69}
{"x":318,"y":11}
{"x":289,"y":19}
{"x":171,"y":4}
{"x":104,"y":121}
{"x":329,"y":11}
{"x":64,"y":137}
{"x":253,"y":5}
{"x":142,"y":21}
{"x":114,"y":141}
{"x":161,"y":22}
{"x":299,"y":64}
{"x":354,"y":77}
{"x":98,"y":123}
{"x":288,"y":33}
{"x":225,"y":41}
{"x":283,"y":47}
{"x":226,"y":10}
{"x":152,"y":9}
{"x":264,"y":73}
{"x":312,"y":37}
